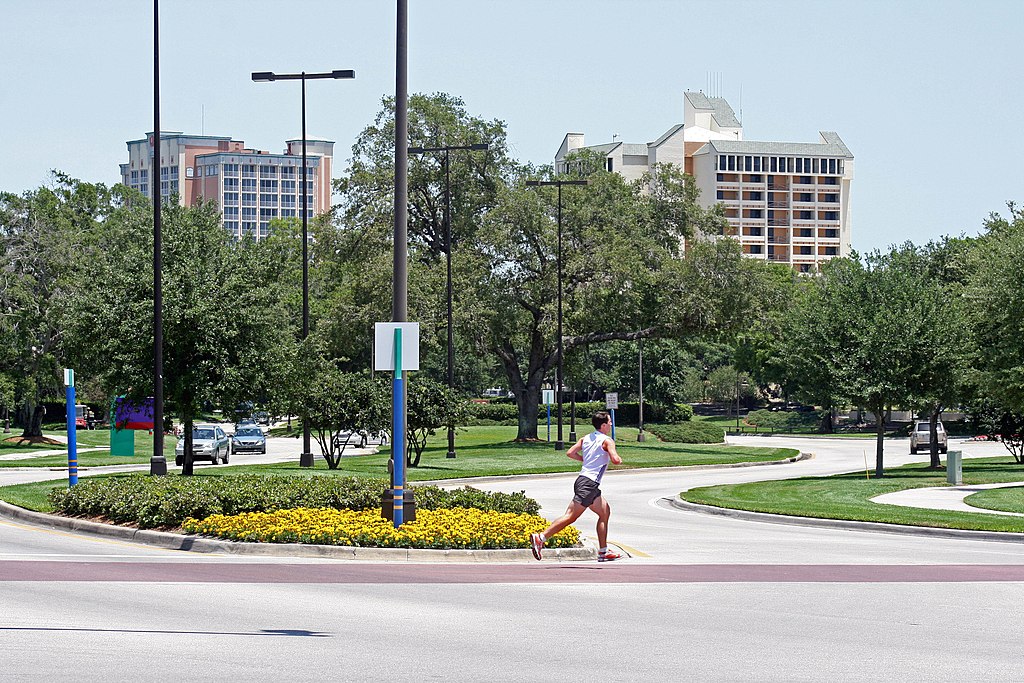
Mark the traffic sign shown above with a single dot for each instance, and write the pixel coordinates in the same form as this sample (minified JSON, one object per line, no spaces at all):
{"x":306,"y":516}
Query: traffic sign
{"x":611,"y":400}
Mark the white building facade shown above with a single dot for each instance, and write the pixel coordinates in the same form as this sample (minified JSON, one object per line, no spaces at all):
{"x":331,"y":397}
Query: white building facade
{"x":786,"y":202}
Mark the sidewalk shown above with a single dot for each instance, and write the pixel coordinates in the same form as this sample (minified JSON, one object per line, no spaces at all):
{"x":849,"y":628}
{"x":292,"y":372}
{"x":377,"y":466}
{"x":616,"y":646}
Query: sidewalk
{"x":945,"y":498}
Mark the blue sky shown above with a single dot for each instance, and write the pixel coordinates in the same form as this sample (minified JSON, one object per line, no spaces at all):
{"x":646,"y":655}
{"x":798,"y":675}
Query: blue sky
{"x":925,"y":94}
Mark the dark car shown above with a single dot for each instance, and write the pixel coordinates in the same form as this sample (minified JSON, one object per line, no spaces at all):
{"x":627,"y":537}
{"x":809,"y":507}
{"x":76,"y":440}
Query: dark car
{"x":248,"y":439}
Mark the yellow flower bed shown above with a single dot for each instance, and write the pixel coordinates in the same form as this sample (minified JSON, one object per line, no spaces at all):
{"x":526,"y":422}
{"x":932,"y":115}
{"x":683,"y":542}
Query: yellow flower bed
{"x":464,"y":528}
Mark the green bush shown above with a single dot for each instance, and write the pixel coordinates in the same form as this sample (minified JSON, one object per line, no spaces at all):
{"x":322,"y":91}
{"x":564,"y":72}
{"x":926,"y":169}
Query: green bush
{"x":678,"y":412}
{"x":493,"y":413}
{"x":783,"y":420}
{"x":688,"y":432}
{"x":167,"y":501}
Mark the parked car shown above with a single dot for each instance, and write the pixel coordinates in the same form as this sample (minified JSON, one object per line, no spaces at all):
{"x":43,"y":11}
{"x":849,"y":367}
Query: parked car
{"x":920,"y":437}
{"x":248,"y":438}
{"x":355,"y":438}
{"x":262,"y":417}
{"x":209,"y":442}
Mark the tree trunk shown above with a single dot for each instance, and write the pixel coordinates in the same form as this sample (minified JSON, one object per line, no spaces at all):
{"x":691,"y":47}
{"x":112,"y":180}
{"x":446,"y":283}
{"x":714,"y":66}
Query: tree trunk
{"x":33,"y":421}
{"x":879,"y":412}
{"x":933,"y":446}
{"x":826,"y":426}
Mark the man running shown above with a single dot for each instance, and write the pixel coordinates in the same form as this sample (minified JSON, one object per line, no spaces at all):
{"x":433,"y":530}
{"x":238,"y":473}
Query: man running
{"x":595,"y":451}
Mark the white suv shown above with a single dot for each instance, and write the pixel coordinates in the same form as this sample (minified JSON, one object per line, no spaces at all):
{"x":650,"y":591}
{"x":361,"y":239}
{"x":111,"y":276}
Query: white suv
{"x":920,"y":438}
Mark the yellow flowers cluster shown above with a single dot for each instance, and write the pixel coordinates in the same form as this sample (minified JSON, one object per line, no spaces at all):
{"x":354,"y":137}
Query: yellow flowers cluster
{"x":461,"y":528}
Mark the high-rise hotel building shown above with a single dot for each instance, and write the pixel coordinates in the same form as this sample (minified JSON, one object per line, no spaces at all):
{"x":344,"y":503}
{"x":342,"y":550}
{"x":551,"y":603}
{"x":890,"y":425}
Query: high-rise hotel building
{"x":785,"y":201}
{"x":251,"y":187}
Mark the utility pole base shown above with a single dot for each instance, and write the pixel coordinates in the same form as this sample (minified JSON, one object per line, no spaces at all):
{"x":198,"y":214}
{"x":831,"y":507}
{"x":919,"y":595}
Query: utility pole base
{"x":158,"y":466}
{"x":306,"y":460}
{"x":451,"y":454}
{"x":559,"y":445}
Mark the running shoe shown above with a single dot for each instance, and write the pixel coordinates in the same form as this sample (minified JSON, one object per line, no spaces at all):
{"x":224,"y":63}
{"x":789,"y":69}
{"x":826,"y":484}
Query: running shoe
{"x":608,"y":556}
{"x":536,"y":545}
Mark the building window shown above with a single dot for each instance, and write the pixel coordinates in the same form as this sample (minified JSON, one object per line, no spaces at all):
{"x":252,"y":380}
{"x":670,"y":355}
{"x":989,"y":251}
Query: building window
{"x":720,"y":194}
{"x":287,"y":172}
{"x":732,"y":163}
{"x":231,"y":212}
{"x":755,"y":232}
{"x":231,"y":169}
{"x":805,"y":267}
{"x":805,"y":250}
{"x":831,"y":251}
{"x":249,"y":184}
{"x":756,"y":249}
{"x":268,"y":186}
{"x":830,"y":233}
{"x":248,"y":199}
{"x":288,"y":213}
{"x":230,"y":197}
{"x":268,"y":171}
{"x":609,"y":164}
{"x":231,"y":184}
{"x":190,"y":172}
{"x":721,"y":163}
{"x":831,"y":215}
{"x":805,"y":232}
{"x":232,"y":227}
{"x":248,"y":170}
{"x":249,"y":228}
{"x":248,"y":213}
{"x":268,"y":200}
{"x":806,"y":216}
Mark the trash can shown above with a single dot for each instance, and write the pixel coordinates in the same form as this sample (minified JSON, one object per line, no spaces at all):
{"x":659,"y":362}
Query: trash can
{"x":387,"y":506}
{"x":954,"y":468}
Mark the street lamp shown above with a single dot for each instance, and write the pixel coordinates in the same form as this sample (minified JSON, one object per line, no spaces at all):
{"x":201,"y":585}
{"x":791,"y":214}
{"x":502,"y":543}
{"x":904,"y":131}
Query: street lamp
{"x":640,"y":436}
{"x":559,"y":444}
{"x":306,"y":459}
{"x":448,"y":253}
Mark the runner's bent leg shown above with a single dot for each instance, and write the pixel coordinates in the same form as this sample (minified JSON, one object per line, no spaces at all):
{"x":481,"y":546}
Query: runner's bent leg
{"x":603,"y":512}
{"x":572,"y":513}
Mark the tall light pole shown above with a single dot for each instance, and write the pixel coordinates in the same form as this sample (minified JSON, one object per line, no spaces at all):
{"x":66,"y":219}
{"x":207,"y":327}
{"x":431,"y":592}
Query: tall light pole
{"x":640,"y":436}
{"x":448,"y":253}
{"x":559,"y":444}
{"x":157,"y":462}
{"x":306,"y":459}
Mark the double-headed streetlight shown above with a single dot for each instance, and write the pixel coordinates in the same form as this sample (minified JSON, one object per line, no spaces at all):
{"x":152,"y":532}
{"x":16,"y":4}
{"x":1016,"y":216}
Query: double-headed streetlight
{"x":559,"y":444}
{"x":448,"y":253}
{"x":306,"y":459}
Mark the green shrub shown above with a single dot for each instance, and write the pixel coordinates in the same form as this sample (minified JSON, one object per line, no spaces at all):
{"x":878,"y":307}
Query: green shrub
{"x":678,"y":412}
{"x":688,"y":432}
{"x":783,"y":420}
{"x":167,"y":501}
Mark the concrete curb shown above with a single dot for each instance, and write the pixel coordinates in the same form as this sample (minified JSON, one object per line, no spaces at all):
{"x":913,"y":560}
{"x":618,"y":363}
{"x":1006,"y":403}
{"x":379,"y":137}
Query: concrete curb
{"x":171,"y":541}
{"x":847,"y":524}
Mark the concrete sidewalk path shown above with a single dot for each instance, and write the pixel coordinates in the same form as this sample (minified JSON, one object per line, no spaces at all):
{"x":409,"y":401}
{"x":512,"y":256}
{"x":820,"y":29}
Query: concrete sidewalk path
{"x":944,"y":498}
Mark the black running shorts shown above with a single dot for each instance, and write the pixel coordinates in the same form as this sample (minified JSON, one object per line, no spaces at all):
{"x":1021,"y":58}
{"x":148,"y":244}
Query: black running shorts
{"x":586,"y":490}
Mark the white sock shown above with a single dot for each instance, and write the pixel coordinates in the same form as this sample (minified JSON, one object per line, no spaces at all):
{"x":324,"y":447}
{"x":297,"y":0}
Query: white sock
{"x":543,"y":538}
{"x":603,"y":550}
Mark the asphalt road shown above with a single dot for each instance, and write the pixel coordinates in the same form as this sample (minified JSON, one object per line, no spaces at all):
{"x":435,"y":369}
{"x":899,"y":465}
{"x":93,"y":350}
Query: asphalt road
{"x":702,"y":598}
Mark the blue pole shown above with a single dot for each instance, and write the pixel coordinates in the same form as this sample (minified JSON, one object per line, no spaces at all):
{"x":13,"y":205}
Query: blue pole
{"x":549,"y":422}
{"x":69,"y":395}
{"x":612,"y":411}
{"x":398,"y":433}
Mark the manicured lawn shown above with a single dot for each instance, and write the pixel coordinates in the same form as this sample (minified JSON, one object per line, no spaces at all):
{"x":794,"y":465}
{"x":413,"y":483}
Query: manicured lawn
{"x":1010,"y":499}
{"x":848,"y":496}
{"x":481,"y":451}
{"x":490,"y":451}
{"x":89,"y":439}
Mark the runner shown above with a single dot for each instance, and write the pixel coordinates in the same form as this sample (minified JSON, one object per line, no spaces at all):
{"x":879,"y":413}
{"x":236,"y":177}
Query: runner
{"x":595,"y":451}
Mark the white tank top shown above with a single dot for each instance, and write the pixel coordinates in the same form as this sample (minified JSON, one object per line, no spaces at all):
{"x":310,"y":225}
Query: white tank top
{"x":595,"y":457}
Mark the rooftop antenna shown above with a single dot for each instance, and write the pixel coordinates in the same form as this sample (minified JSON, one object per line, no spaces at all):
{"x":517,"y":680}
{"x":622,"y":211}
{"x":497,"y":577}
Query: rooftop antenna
{"x":741,"y":103}
{"x":615,"y":136}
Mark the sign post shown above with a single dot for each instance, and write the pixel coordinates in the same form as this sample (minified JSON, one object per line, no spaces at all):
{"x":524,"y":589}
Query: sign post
{"x":69,"y":396}
{"x":611,"y":401}
{"x":549,"y":397}
{"x":396,"y":349}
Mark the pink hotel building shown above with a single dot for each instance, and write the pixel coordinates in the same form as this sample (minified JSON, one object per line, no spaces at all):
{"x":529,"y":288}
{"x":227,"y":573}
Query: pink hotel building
{"x":250,"y":186}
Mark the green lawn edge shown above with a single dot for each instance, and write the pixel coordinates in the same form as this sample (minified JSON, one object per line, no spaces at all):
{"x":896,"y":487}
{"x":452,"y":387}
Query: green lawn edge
{"x":847,"y":496}
{"x":481,"y":452}
{"x":1009,"y":499}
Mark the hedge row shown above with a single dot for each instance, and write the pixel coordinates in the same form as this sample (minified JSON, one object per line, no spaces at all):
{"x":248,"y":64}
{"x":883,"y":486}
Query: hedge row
{"x":168,"y":501}
{"x":625,"y":414}
{"x":688,"y":432}
{"x":783,"y":420}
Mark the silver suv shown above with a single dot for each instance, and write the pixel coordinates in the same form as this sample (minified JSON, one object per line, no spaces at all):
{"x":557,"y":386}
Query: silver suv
{"x":920,"y":438}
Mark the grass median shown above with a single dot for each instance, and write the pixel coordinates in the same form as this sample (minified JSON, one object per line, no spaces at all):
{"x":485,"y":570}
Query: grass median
{"x":97,"y":438}
{"x":848,"y":496}
{"x":480,"y":452}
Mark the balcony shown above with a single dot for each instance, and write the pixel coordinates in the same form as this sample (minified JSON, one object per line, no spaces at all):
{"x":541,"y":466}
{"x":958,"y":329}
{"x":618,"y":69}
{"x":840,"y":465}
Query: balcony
{"x":778,"y":205}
